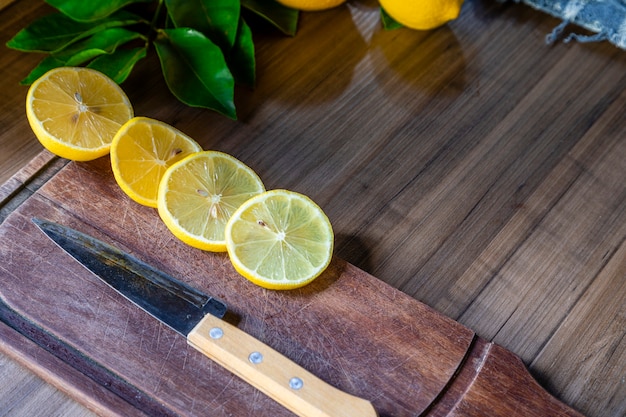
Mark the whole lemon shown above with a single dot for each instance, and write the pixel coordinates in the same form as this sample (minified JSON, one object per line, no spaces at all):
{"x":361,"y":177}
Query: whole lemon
{"x":422,"y":14}
{"x":311,"y":5}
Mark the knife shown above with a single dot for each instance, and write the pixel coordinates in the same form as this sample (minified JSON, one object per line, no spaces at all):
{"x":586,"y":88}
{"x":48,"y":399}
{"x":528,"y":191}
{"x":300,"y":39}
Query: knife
{"x":198,"y":317}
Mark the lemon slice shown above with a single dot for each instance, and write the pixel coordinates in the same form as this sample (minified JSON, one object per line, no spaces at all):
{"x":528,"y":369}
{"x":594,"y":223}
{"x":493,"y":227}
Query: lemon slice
{"x":141,"y":152}
{"x":279,"y":240}
{"x":75,"y":112}
{"x":198,"y":195}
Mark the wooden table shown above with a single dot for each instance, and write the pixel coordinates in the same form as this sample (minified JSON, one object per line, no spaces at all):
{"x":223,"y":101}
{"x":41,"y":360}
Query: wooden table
{"x":472,"y":167}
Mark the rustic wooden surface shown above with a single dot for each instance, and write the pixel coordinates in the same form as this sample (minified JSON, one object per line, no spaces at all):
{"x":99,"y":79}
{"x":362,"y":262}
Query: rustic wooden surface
{"x":473,"y":167}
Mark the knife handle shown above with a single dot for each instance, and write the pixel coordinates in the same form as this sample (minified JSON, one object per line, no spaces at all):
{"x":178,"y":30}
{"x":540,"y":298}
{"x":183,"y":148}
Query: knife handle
{"x":272,"y":373}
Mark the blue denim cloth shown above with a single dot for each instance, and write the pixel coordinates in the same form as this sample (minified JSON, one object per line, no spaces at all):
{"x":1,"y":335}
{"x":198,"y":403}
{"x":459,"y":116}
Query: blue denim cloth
{"x":606,"y":18}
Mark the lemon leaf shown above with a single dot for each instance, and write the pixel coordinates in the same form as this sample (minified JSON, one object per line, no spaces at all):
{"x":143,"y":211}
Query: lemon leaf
{"x":283,"y":18}
{"x":119,"y":64}
{"x":204,"y":46}
{"x":241,"y":59}
{"x":389,"y":23}
{"x":196,"y":79}
{"x":44,"y":66}
{"x":100,"y":43}
{"x":217,"y":19}
{"x":87,"y":11}
{"x":53,"y":32}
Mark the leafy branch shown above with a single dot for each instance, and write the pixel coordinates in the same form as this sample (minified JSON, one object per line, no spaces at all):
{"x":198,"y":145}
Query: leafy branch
{"x":205,"y":47}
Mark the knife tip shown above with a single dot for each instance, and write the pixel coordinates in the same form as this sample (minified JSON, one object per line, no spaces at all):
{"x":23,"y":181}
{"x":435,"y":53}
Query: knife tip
{"x":38,"y":222}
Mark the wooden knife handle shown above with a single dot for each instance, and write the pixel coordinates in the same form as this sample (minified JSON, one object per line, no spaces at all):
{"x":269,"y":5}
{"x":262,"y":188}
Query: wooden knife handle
{"x":272,"y":373}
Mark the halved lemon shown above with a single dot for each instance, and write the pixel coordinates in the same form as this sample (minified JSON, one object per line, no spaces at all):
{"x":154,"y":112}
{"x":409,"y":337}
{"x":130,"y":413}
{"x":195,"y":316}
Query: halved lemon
{"x":199,"y":194}
{"x":75,"y":112}
{"x":280,"y":240}
{"x":141,"y":151}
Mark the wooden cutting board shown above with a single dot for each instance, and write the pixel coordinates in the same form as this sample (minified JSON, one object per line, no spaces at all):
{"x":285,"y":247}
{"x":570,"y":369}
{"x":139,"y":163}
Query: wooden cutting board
{"x":349,"y":328}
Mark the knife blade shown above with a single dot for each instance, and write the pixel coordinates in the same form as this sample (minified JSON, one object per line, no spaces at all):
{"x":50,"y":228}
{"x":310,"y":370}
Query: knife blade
{"x":198,"y":317}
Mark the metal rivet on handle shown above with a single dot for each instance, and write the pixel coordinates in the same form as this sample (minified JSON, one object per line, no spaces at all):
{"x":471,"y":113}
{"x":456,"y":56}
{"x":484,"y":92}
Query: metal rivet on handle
{"x":296,"y":383}
{"x":256,"y":358}
{"x":216,"y":333}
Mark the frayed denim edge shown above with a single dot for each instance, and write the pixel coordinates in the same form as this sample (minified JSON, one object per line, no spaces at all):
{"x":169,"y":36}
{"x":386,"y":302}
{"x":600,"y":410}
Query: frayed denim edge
{"x":606,"y":18}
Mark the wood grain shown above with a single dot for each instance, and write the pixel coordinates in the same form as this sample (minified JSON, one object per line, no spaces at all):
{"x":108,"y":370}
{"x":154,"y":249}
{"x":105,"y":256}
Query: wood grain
{"x":19,"y":145}
{"x":473,"y":167}
{"x":25,"y":394}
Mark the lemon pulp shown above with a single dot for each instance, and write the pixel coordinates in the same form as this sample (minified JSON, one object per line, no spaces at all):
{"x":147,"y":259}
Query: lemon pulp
{"x":141,"y":152}
{"x":75,"y":112}
{"x":199,"y":194}
{"x":280,"y":240}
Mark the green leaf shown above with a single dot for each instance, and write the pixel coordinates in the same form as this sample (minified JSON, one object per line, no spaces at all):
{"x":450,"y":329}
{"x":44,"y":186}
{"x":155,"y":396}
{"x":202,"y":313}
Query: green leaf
{"x":54,"y":32}
{"x":107,"y":41}
{"x":100,"y":43}
{"x":241,"y":58}
{"x":282,"y":17}
{"x":217,"y":19}
{"x":44,"y":66}
{"x":195,"y":70}
{"x":389,"y":23}
{"x":87,"y":11}
{"x":119,"y":64}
